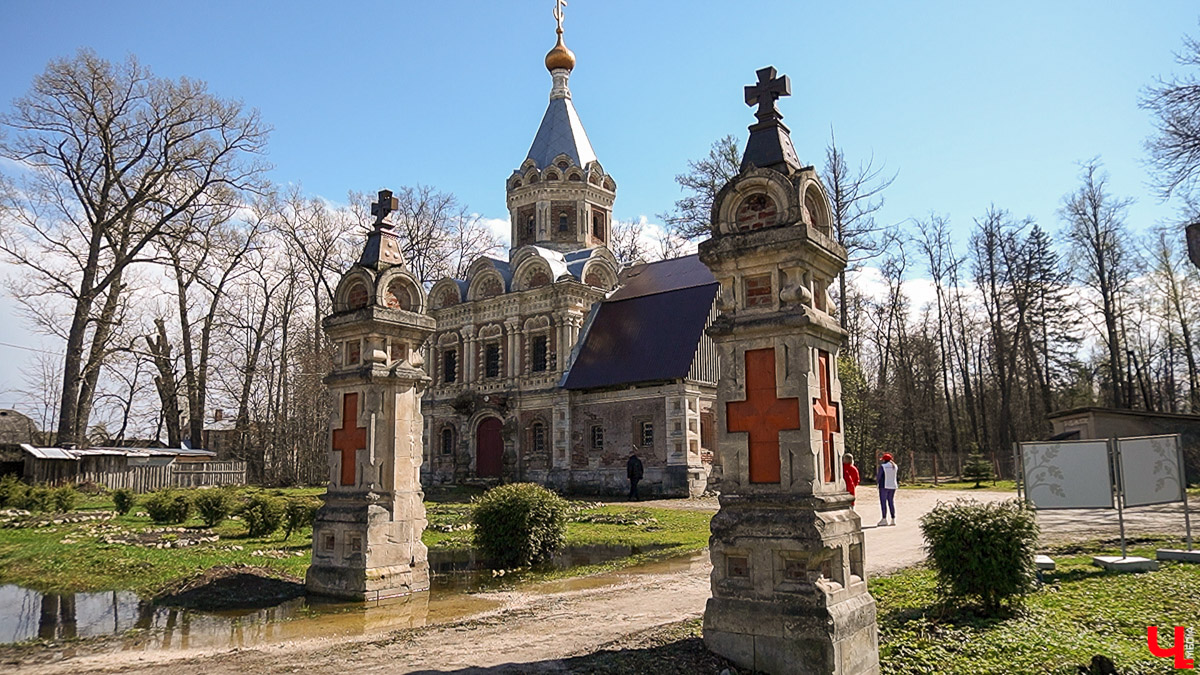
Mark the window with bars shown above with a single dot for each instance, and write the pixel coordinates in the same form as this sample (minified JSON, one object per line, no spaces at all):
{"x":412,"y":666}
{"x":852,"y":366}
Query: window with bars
{"x":597,"y":437}
{"x":449,"y":366}
{"x":491,"y":360}
{"x":647,"y":434}
{"x":539,"y":352}
{"x":537,"y":434}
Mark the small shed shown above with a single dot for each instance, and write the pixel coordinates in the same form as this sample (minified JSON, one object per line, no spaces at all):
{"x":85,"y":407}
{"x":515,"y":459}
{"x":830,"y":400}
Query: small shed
{"x":138,"y":469}
{"x":1094,"y":422}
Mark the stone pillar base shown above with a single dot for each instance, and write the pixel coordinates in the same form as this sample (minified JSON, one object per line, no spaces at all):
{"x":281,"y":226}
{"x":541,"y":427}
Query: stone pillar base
{"x":789,"y":591}
{"x":765,"y":637}
{"x":360,"y":553}
{"x":684,"y":481}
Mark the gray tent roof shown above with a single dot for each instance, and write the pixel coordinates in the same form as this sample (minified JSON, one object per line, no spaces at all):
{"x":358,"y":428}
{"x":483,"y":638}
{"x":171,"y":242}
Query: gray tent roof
{"x":561,"y":133}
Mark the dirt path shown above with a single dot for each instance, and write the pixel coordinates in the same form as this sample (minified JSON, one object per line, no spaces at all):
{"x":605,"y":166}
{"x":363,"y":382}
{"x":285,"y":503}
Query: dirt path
{"x":532,"y":630}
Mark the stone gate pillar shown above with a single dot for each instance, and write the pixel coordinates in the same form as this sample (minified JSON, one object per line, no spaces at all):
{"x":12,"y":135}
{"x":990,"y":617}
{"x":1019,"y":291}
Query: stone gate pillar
{"x":789,"y":593}
{"x":367,"y":536}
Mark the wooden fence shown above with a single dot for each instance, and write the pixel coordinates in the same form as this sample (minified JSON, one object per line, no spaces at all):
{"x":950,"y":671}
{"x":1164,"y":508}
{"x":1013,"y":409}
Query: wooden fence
{"x":137,"y":478}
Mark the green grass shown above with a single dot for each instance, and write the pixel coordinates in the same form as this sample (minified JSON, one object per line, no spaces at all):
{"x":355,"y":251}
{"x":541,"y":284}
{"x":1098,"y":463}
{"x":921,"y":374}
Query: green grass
{"x":1081,"y":611}
{"x":987,"y":485}
{"x":38,"y":558}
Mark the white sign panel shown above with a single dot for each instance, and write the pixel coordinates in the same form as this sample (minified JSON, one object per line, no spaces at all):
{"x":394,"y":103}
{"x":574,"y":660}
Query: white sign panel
{"x":1067,"y":474}
{"x":1150,"y":471}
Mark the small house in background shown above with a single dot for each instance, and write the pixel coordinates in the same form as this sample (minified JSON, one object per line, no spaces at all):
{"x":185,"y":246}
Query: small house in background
{"x":137,"y":469}
{"x":1082,"y":423}
{"x":16,"y":428}
{"x":220,"y":434}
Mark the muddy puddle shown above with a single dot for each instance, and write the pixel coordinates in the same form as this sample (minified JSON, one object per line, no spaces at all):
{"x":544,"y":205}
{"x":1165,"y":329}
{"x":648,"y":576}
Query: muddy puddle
{"x":458,"y":590}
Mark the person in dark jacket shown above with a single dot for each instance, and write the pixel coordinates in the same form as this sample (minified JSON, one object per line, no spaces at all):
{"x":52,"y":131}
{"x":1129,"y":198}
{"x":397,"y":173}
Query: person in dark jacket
{"x":633,"y":469}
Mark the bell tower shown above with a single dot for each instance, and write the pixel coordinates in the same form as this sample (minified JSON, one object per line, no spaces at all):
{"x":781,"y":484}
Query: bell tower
{"x":560,"y":197}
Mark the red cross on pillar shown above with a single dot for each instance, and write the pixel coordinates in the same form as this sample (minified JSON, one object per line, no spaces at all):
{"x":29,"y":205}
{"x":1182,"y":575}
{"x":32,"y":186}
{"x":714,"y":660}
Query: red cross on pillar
{"x":763,"y":415}
{"x":350,"y":438}
{"x":825,"y":416}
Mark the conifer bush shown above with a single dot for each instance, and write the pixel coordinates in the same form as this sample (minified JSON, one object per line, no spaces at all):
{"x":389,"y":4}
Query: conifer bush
{"x":213,"y":505}
{"x":168,"y":507}
{"x":301,"y":512}
{"x":977,"y":467}
{"x":519,"y":524}
{"x":263,"y":514}
{"x":982,"y":553}
{"x":64,"y":498}
{"x":123,"y":500}
{"x":38,"y":498}
{"x":12,"y":492}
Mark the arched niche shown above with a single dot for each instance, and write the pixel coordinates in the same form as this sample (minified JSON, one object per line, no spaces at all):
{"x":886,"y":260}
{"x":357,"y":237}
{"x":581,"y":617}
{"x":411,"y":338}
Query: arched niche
{"x":445,"y":293}
{"x":816,"y":209}
{"x":354,"y":291}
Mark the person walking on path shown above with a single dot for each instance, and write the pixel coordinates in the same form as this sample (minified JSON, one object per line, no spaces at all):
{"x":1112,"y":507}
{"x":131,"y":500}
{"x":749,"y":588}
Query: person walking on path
{"x":849,"y":474}
{"x":633,"y":469}
{"x":885,"y":479}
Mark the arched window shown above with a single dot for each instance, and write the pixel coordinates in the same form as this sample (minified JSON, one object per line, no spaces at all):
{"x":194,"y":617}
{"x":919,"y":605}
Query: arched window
{"x":563,"y":224}
{"x":537,"y":437}
{"x":357,"y":296}
{"x":598,"y":225}
{"x":447,"y":441}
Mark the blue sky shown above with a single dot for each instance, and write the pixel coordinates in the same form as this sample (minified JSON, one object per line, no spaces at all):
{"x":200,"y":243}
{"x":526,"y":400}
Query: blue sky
{"x":972,"y":103}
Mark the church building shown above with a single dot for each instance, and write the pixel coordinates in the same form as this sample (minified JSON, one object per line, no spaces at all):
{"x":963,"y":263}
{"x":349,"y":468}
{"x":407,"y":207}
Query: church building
{"x":556,"y":364}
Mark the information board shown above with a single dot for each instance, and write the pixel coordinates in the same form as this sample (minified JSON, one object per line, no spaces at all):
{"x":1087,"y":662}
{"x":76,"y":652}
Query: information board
{"x":1067,"y":474}
{"x":1150,"y":471}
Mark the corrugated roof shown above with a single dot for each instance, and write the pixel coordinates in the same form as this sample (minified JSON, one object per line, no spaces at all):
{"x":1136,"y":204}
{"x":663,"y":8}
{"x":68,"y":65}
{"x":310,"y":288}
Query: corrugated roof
{"x":661,"y":276}
{"x":76,"y":453}
{"x":649,"y":337}
{"x":48,"y":453}
{"x":561,"y":133}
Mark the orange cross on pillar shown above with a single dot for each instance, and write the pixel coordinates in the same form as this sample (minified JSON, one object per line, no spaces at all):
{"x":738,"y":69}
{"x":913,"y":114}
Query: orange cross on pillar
{"x":763,"y":415}
{"x":350,"y":438}
{"x":825,"y":416}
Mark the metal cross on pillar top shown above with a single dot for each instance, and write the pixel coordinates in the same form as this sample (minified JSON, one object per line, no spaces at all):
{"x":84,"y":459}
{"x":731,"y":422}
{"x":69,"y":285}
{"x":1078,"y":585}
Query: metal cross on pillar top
{"x":768,"y":90}
{"x":386,"y":204}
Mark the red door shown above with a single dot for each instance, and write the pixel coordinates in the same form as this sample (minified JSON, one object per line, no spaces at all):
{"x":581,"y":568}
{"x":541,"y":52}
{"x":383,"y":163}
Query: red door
{"x":489,"y":449}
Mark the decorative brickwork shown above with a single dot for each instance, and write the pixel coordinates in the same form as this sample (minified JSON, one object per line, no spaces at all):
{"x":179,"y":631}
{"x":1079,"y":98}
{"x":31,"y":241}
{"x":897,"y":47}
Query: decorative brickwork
{"x":756,"y":212}
{"x":758,"y":291}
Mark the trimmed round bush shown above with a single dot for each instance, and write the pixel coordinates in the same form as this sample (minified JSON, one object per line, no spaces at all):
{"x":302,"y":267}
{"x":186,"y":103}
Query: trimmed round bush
{"x":123,"y":500}
{"x":300,"y":513}
{"x":64,"y":498}
{"x":263,"y":514}
{"x":982,"y":553}
{"x":213,"y":505}
{"x":168,"y":507}
{"x":519,"y":524}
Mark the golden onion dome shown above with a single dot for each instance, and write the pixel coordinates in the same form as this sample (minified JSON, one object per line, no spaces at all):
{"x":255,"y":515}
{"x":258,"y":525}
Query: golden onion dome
{"x":560,"y":57}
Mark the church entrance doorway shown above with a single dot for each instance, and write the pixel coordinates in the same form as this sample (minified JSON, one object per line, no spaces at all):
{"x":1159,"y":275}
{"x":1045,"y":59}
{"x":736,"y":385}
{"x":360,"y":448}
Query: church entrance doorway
{"x":489,"y":448}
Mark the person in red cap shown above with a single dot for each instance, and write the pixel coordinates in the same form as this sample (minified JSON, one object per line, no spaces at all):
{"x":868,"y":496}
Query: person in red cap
{"x":850,"y":474}
{"x":885,"y":480}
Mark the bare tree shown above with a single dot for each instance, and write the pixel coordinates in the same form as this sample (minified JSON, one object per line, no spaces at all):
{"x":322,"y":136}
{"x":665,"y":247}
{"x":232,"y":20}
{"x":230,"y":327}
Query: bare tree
{"x":1095,"y":229}
{"x":692,"y":215}
{"x":855,"y":196}
{"x":1175,"y":147}
{"x":115,"y":156}
{"x":628,"y":242}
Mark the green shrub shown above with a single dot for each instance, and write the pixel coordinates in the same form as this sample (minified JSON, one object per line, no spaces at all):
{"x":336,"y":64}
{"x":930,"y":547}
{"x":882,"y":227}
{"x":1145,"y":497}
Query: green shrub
{"x":214,"y":506}
{"x":263,"y":514}
{"x":519,"y":524}
{"x":12,"y":492}
{"x":123,"y":500}
{"x":982,"y":553}
{"x":39,"y":498}
{"x":301,"y":512}
{"x":64,"y":498}
{"x":168,"y":507}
